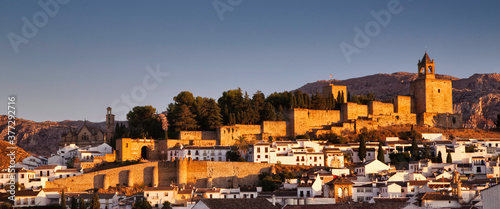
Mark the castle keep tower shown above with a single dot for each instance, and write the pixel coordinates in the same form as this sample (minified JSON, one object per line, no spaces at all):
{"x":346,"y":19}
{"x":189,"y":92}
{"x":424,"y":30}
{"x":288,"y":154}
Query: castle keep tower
{"x":432,"y":98}
{"x":110,"y":125}
{"x":335,"y":91}
{"x":431,"y":95}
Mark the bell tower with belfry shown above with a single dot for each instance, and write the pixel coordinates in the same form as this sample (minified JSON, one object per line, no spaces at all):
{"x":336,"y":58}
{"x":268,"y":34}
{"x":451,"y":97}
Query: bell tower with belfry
{"x":426,"y":67}
{"x":110,"y":125}
{"x":432,"y":98}
{"x":456,"y":186}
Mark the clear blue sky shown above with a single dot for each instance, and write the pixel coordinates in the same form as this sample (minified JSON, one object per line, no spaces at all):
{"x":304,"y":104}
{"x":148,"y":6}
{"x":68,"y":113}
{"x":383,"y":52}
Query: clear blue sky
{"x":90,"y":53}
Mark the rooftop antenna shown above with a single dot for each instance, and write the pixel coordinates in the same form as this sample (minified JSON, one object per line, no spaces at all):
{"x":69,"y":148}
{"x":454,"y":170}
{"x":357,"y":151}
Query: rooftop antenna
{"x":425,"y":49}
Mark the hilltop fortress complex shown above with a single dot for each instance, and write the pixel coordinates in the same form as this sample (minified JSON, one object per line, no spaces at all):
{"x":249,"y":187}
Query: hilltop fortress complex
{"x":429,"y":103}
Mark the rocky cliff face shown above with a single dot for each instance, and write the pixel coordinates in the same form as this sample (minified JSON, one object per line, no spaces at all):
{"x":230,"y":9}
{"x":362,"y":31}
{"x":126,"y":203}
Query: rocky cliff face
{"x":476,"y":97}
{"x":41,"y":138}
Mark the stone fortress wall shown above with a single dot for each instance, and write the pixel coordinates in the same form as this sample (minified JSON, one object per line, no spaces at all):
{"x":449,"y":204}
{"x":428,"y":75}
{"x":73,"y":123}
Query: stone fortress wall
{"x":202,"y":174}
{"x":430,"y":104}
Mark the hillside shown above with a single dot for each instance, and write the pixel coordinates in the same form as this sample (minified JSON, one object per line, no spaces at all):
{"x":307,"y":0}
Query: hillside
{"x":41,"y":138}
{"x":476,"y":97}
{"x":4,"y":159}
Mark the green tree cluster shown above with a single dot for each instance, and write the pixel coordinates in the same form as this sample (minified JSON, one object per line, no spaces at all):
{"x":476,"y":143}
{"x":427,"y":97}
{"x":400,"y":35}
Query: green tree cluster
{"x":234,"y":155}
{"x":235,"y":107}
{"x":412,"y":134}
{"x":362,"y":99}
{"x":270,"y":182}
{"x":142,"y":204}
{"x":332,"y":138}
{"x":188,"y":113}
{"x":144,"y":122}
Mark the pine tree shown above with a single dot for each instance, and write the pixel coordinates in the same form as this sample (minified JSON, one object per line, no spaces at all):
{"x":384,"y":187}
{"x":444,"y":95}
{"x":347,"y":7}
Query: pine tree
{"x":95,"y":202}
{"x":448,"y":158}
{"x":380,"y":155}
{"x":63,"y":200}
{"x":439,"y":158}
{"x":210,"y":117}
{"x":142,"y":204}
{"x":268,"y":113}
{"x":184,"y":119}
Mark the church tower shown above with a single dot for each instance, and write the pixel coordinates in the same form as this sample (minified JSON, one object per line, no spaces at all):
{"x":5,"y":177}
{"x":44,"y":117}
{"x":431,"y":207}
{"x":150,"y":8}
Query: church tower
{"x":110,"y":125}
{"x":456,"y":186}
{"x":426,"y":67}
{"x":430,"y":95}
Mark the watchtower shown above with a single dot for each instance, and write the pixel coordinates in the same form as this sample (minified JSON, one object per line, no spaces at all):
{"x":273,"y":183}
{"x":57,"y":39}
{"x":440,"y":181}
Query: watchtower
{"x":431,"y":95}
{"x":110,"y":125}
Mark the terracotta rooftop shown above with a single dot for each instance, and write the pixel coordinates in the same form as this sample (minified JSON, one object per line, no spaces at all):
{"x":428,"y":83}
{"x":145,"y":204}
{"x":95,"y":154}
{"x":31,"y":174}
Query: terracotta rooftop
{"x":436,"y":196}
{"x":159,"y":189}
{"x":339,"y":180}
{"x":46,"y":167}
{"x":26,"y":193}
{"x":417,"y":183}
{"x":67,"y":171}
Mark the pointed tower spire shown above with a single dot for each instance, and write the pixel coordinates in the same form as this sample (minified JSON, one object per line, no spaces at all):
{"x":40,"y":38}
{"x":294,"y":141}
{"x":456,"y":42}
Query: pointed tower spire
{"x":426,"y":67}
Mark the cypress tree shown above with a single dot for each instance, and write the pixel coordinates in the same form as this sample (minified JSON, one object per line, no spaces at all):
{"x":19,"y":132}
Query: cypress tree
{"x":414,"y":150}
{"x":63,"y":200}
{"x":74,"y":203}
{"x":380,"y":155}
{"x":448,"y":158}
{"x":362,"y":147}
{"x":95,"y":202}
{"x":82,"y":204}
{"x":439,"y":158}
